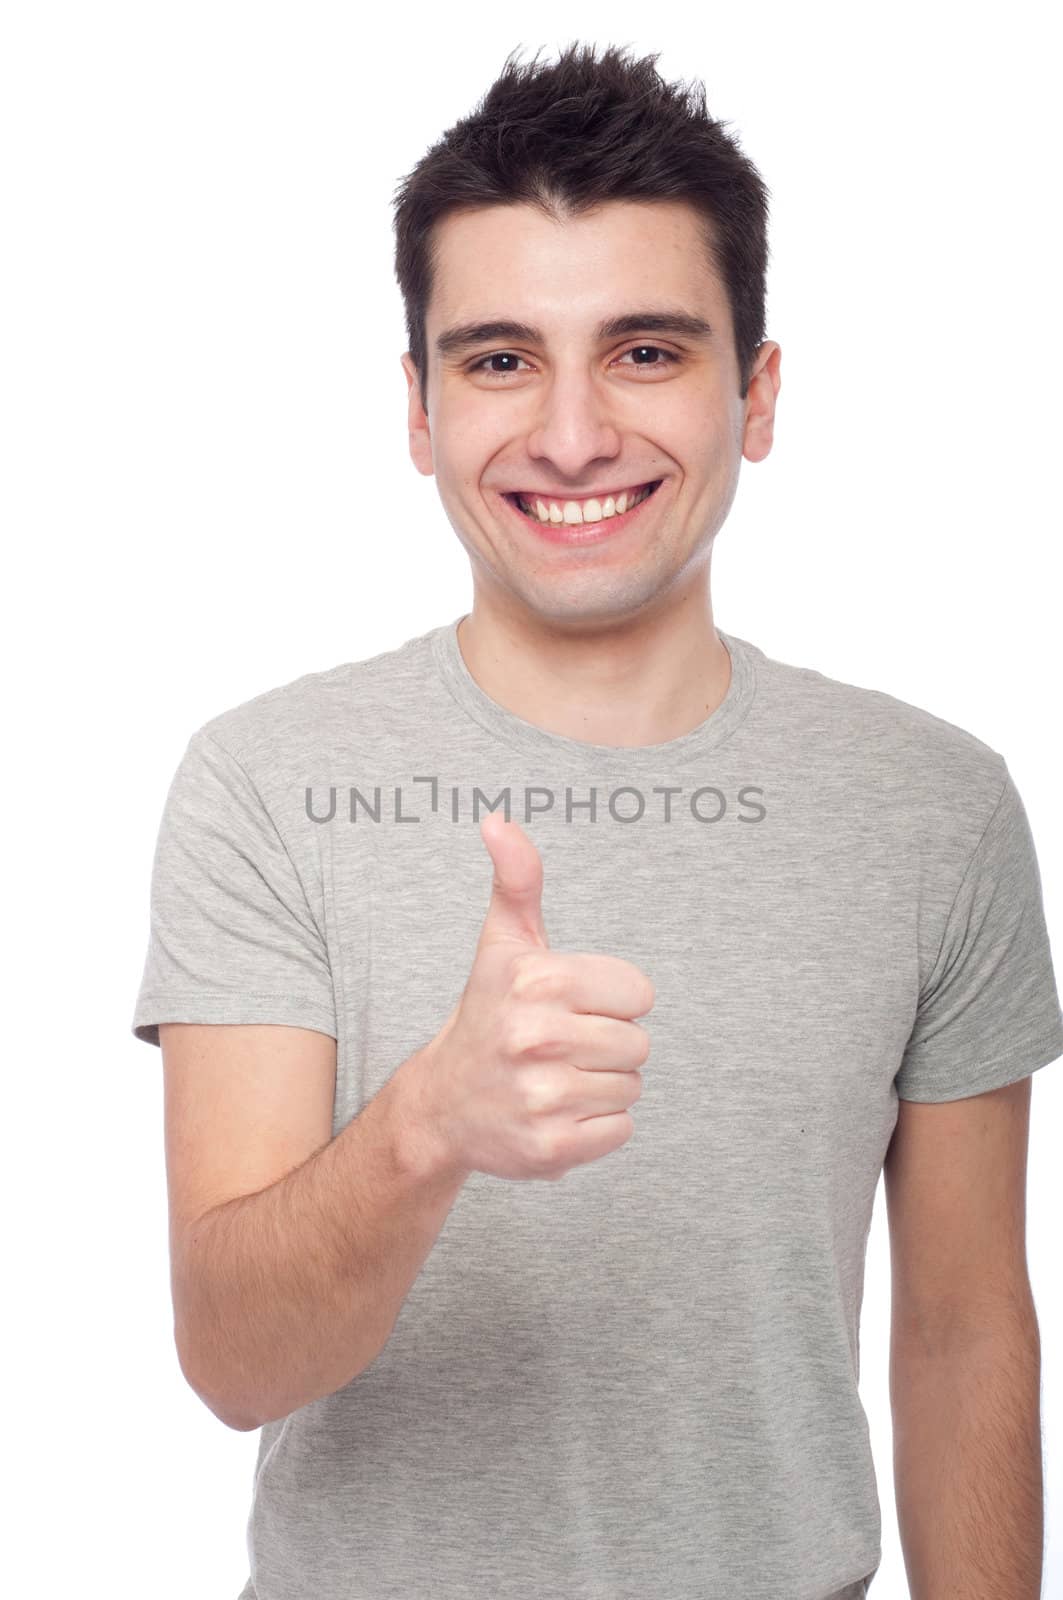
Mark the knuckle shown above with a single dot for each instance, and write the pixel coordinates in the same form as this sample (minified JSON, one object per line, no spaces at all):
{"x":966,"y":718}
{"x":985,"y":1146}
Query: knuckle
{"x":519,"y":1036}
{"x":539,"y":1093}
{"x":535,"y":979}
{"x":549,"y":1151}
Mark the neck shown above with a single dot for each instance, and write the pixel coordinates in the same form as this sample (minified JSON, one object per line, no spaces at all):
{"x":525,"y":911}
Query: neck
{"x":640,"y":681}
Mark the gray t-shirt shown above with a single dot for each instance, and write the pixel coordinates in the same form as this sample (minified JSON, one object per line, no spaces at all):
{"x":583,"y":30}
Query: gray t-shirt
{"x":641,"y":1380}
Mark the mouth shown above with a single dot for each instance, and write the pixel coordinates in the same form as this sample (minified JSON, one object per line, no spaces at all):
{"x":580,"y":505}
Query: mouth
{"x":563,"y":531}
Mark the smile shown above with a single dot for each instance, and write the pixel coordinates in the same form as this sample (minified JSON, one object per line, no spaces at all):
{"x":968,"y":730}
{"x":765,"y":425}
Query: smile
{"x":581,"y":521}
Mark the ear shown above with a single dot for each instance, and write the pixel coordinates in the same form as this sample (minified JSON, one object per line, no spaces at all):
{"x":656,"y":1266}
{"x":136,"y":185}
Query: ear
{"x":419,"y":433}
{"x":759,"y":427}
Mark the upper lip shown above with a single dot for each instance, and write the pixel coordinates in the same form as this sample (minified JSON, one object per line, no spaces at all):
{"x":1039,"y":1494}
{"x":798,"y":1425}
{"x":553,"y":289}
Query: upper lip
{"x":582,"y":494}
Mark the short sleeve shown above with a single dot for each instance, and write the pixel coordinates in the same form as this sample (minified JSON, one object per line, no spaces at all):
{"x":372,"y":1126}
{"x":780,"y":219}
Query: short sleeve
{"x":989,"y":1011}
{"x":232,"y":935}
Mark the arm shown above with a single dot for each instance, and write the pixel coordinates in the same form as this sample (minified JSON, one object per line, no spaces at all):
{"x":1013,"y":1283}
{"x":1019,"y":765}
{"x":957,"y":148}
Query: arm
{"x":287,"y":1294}
{"x":967,"y":1466}
{"x":965,"y":1350}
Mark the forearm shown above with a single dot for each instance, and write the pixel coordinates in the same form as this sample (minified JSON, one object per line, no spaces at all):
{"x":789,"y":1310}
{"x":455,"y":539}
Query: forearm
{"x":288,"y":1294}
{"x":967,"y":1465}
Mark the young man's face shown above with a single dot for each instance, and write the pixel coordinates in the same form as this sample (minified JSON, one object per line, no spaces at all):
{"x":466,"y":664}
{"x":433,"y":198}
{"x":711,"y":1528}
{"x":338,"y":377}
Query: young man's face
{"x":563,"y":410}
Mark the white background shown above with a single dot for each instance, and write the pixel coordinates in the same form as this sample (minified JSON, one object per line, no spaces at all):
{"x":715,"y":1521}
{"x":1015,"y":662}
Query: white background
{"x":206,"y":492}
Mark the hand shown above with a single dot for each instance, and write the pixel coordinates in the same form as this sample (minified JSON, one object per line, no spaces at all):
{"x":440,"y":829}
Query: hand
{"x":535,"y":1068}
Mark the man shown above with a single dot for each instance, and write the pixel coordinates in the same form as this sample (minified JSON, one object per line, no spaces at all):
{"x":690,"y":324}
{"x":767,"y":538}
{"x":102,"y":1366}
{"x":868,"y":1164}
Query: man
{"x":392,"y":1019}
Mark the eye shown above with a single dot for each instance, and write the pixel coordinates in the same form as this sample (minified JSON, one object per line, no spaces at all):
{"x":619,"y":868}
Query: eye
{"x":670,"y":358}
{"x":496,"y":355}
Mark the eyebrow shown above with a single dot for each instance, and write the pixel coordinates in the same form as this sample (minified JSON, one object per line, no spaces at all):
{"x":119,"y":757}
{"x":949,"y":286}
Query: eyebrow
{"x":682,"y":323}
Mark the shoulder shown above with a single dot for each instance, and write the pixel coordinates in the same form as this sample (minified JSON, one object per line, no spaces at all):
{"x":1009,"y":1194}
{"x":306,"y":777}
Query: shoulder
{"x":296,"y":724}
{"x":887,"y":751}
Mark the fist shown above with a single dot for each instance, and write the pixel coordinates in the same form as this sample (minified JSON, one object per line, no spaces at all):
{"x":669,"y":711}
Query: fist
{"x":536,"y":1067}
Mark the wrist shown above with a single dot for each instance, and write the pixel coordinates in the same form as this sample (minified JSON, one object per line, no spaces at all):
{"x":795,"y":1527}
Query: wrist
{"x":418,"y":1139}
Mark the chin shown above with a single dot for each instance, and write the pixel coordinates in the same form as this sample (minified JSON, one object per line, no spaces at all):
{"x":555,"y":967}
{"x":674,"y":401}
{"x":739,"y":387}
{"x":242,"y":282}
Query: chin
{"x":586,"y":603}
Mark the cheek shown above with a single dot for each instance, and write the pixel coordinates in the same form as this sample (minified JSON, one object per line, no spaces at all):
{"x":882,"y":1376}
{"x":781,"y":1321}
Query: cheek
{"x":695,"y":430}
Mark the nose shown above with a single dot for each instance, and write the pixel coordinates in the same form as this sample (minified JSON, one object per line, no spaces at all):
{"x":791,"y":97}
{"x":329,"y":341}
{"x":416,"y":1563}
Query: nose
{"x":575,"y":424}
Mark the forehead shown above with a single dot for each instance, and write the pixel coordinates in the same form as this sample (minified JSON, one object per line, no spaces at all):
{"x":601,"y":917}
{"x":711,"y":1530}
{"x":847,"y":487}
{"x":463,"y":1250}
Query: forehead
{"x":569,"y":273}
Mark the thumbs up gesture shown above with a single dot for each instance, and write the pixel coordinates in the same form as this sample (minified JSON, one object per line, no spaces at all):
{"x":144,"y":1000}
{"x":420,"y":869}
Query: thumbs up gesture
{"x":535,"y":1068}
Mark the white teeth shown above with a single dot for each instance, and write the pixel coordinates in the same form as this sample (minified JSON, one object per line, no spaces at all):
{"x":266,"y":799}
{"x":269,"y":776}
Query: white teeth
{"x":571,"y":511}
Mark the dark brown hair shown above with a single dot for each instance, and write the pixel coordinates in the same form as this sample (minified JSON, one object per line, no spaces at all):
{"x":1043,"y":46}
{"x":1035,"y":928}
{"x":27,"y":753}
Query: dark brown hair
{"x":569,"y":135}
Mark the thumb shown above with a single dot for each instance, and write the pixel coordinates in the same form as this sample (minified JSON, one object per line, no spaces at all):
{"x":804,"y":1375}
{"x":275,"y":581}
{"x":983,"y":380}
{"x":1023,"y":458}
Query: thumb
{"x":515,"y":910}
